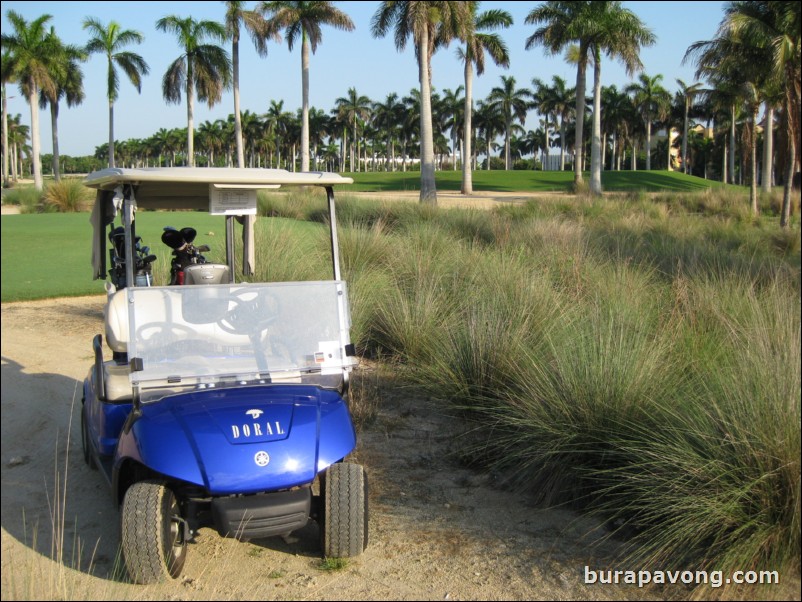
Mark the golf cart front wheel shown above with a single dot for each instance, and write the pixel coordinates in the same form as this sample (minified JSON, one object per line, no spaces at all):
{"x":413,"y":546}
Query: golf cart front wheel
{"x":153,"y":539}
{"x":344,"y":520}
{"x":85,"y":443}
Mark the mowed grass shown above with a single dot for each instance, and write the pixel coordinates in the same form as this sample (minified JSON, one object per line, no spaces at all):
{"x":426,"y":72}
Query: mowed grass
{"x":46,"y":255}
{"x":531,"y":181}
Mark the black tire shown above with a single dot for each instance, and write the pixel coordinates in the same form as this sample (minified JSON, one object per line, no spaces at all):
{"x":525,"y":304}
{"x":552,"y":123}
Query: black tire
{"x":86,"y":446}
{"x":344,"y":520}
{"x":153,"y":542}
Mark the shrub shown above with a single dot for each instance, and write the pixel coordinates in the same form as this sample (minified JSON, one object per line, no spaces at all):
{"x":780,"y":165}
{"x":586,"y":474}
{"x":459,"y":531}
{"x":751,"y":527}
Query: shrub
{"x":27,"y":198}
{"x":67,"y":196}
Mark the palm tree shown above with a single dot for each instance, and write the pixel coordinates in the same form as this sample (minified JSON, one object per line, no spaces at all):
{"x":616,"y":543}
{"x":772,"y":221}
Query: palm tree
{"x":563,"y":100}
{"x":477,"y":43}
{"x":318,"y":130}
{"x":7,"y":68}
{"x":260,"y":31}
{"x":490,"y":122}
{"x":352,"y":109}
{"x":276,"y":122}
{"x":773,"y":30}
{"x":18,"y":135}
{"x":565,"y":24}
{"x":617,"y":113}
{"x":68,"y":78}
{"x":544,"y":102}
{"x":652,"y":102}
{"x":429,"y":24}
{"x":595,"y":28}
{"x":410,"y":124}
{"x":620,"y":35}
{"x":252,"y":128}
{"x":32,"y":50}
{"x":734,"y":63}
{"x":688,"y":92}
{"x":202,"y":68}
{"x":210,"y":138}
{"x":110,"y":40}
{"x":386,"y":117}
{"x":512,"y":104}
{"x":534,"y":141}
{"x":452,"y":106}
{"x":304,"y":18}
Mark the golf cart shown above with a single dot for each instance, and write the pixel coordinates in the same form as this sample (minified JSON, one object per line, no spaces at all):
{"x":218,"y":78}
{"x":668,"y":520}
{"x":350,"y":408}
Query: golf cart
{"x":223,"y":403}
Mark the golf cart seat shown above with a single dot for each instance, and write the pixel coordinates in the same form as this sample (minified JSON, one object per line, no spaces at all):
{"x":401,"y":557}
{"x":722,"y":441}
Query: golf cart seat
{"x":207,"y":273}
{"x":155,"y":306}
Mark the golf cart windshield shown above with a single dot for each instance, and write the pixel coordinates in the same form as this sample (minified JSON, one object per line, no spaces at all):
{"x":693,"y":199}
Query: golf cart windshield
{"x":233,"y":335}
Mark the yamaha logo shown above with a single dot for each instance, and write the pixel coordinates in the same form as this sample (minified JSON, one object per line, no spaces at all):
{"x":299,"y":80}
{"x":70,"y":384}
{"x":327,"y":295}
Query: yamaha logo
{"x":261,"y":458}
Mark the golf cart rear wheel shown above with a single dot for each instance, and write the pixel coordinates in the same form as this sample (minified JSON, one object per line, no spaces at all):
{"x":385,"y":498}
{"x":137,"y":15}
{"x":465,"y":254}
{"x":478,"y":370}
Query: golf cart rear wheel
{"x":344,"y":520}
{"x":153,"y":541}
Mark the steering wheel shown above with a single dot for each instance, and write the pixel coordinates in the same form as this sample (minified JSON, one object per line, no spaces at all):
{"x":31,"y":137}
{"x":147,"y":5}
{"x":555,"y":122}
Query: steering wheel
{"x":250,"y":316}
{"x":164,"y":333}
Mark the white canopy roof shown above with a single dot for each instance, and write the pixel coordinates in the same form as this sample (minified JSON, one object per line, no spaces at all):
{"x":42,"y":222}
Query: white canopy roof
{"x":188,"y":187}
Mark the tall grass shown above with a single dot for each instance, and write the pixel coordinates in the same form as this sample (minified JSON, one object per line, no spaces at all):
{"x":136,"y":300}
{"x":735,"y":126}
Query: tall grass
{"x":636,"y":357}
{"x":27,"y":198}
{"x":68,"y":195}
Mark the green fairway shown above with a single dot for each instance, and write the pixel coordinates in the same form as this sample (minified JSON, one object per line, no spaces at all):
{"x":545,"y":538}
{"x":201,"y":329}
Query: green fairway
{"x":49,"y":254}
{"x":46,"y":255}
{"x":532,"y":181}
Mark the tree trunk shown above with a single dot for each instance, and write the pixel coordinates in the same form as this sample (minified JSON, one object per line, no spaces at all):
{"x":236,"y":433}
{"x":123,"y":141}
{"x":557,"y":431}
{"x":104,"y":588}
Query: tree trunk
{"x":343,"y":148}
{"x":648,"y":143}
{"x":6,"y":183}
{"x":753,"y":153}
{"x":428,"y":190}
{"x":507,"y":157}
{"x":36,"y":166}
{"x":788,"y":184}
{"x":237,"y":114}
{"x":467,"y":176}
{"x":668,"y":148}
{"x":190,"y":162}
{"x":604,"y":152}
{"x":548,"y":146}
{"x":305,"y":107}
{"x":580,"y":111}
{"x":613,"y":152}
{"x":768,"y":151}
{"x":54,"y":135}
{"x":353,"y":149}
{"x":111,"y":134}
{"x":14,"y":164}
{"x":595,"y":144}
{"x":685,"y":137}
{"x":732,"y":145}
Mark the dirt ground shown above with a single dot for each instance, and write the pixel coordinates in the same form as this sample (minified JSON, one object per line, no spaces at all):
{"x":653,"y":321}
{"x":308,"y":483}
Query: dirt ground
{"x":438,"y":531}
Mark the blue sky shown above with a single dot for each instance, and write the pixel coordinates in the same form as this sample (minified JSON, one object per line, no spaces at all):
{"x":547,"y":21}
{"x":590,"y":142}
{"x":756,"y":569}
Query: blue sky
{"x":343,"y":60}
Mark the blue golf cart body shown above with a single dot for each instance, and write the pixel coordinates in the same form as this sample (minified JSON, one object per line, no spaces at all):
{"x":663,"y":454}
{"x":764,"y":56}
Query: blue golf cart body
{"x":219,"y":403}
